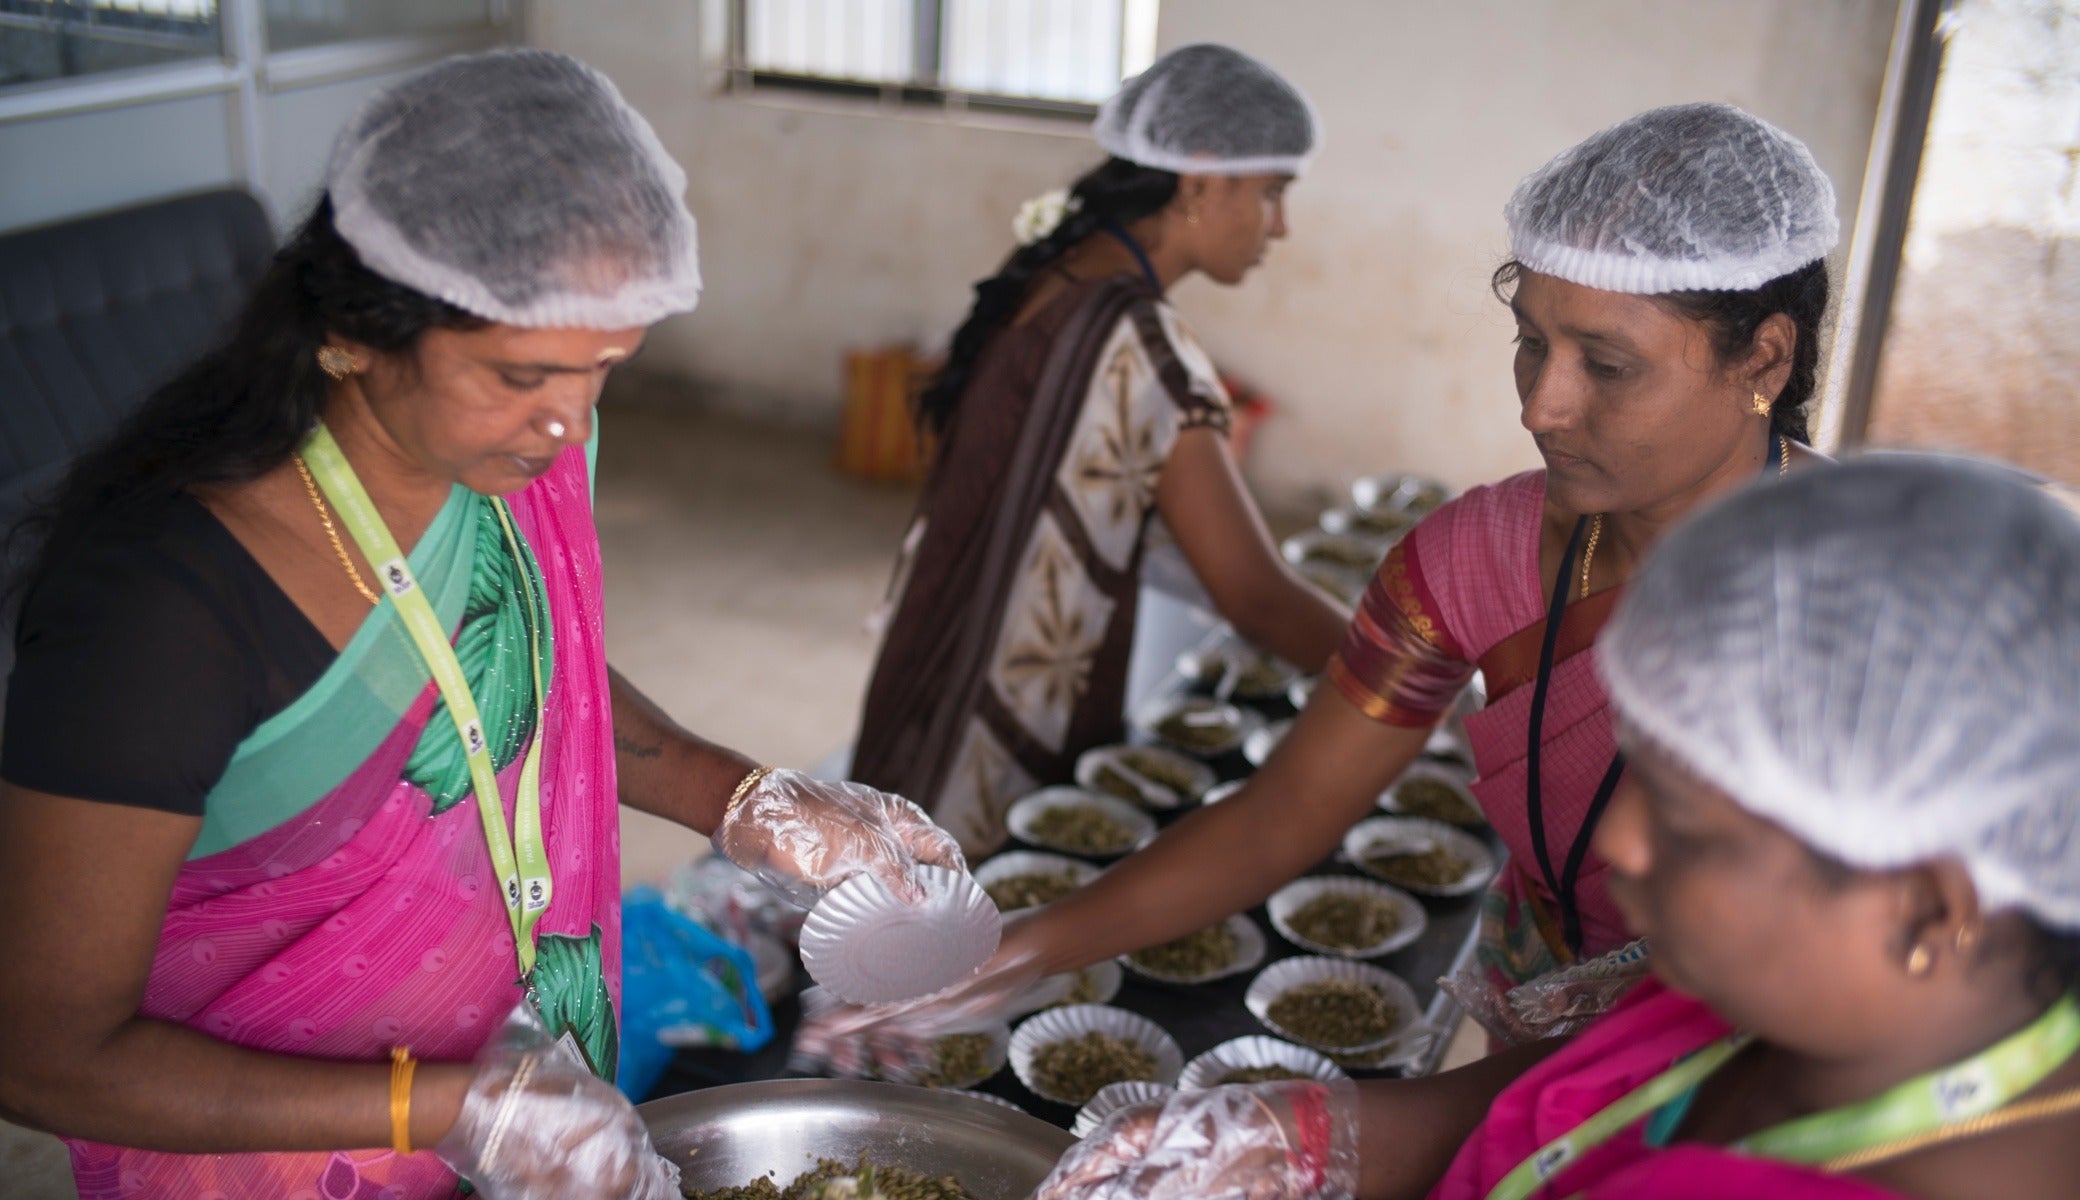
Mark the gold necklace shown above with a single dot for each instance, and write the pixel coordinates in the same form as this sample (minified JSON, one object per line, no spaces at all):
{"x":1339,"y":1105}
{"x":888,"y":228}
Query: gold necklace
{"x":1596,"y":523}
{"x":318,"y":502}
{"x":1589,"y":555}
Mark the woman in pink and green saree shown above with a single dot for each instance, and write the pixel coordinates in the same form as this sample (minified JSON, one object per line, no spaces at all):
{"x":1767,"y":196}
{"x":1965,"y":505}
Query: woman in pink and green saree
{"x":312,"y":750}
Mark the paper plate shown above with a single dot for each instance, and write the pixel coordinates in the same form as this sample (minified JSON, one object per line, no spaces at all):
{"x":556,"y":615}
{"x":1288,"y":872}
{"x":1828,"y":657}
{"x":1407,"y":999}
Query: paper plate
{"x":1249,"y":952}
{"x":868,"y":947}
{"x":1447,"y":747}
{"x":1023,"y":814}
{"x":1225,"y":726}
{"x":1394,"y":800}
{"x":1256,"y":1051}
{"x":1013,"y":863}
{"x":1288,"y":973}
{"x":1223,"y":791}
{"x":1301,"y":691}
{"x":993,"y":1059}
{"x":1366,"y":834}
{"x":1382,"y":525}
{"x":1113,"y":1097}
{"x":1132,"y":764}
{"x":1358,"y":555}
{"x":1064,"y":1024}
{"x":999,"y":1101}
{"x":1103,"y":979}
{"x":1258,"y":746}
{"x":1301,"y":892}
{"x":1398,"y":492}
{"x":1209,"y":668}
{"x":1344,"y":583}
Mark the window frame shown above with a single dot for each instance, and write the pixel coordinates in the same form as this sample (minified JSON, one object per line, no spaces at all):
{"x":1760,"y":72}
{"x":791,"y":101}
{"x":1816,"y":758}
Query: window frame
{"x":924,"y":91}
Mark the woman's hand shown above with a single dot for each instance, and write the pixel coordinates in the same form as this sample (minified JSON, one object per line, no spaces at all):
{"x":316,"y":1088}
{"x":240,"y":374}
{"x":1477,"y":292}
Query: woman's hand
{"x":806,"y":836}
{"x":537,"y":1125}
{"x":1295,"y":1140}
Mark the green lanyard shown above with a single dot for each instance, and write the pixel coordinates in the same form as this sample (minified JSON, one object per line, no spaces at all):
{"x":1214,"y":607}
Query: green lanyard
{"x":1979,"y":1085}
{"x":519,"y":857}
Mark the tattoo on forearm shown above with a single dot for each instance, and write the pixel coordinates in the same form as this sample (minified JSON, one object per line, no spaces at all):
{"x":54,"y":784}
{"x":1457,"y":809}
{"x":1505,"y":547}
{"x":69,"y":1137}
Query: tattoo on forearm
{"x":635,"y":749}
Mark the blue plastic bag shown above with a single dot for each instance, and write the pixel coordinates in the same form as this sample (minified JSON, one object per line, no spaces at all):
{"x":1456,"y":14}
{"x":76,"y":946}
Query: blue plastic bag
{"x":680,"y":986}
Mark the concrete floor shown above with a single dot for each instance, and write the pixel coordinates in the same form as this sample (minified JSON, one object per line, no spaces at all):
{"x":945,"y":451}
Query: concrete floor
{"x":740,"y":570}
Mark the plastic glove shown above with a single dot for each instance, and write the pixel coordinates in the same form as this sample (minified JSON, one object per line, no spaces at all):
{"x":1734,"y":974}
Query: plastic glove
{"x":805,"y":836}
{"x":895,"y":1041}
{"x":537,"y":1125}
{"x":1294,"y":1140}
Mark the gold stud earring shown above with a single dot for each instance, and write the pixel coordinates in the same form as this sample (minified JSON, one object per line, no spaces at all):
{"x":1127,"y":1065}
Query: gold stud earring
{"x":1762,"y":405}
{"x":337,"y":362}
{"x":1919,"y":960}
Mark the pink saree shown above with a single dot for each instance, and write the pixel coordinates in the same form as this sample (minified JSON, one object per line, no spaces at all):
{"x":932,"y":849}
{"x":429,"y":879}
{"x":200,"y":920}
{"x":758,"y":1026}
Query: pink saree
{"x":340,"y":899}
{"x":1466,"y":581}
{"x":1649,"y":1030}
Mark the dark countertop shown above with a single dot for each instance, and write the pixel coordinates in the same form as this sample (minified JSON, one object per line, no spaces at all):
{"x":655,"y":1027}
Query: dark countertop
{"x":1199,"y":1016}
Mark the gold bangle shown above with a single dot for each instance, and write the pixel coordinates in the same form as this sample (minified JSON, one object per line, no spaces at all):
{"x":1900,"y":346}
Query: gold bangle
{"x":744,"y":787}
{"x":401,"y":1067}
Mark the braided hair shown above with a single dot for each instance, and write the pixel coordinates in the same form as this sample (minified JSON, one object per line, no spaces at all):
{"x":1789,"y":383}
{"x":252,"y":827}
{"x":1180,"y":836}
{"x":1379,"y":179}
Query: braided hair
{"x":1115,"y":192}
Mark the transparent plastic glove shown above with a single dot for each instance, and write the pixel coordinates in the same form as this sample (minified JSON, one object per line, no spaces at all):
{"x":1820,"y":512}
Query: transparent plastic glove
{"x":895,"y":1041}
{"x":537,"y":1125}
{"x":1294,"y":1140}
{"x":805,"y":836}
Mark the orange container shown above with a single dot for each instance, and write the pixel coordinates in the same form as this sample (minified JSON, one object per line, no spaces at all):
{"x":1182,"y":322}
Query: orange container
{"x":879,"y":440}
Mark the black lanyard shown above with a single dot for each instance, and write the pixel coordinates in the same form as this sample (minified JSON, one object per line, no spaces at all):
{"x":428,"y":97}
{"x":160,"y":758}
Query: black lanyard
{"x":1126,"y":239}
{"x":1563,"y":887}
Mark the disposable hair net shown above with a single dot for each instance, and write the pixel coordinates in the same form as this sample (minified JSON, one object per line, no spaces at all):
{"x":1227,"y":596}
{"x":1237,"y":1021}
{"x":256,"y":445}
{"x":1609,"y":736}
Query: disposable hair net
{"x":1884,"y":659}
{"x":519,"y":186}
{"x":1693,"y":197}
{"x":1209,"y":110}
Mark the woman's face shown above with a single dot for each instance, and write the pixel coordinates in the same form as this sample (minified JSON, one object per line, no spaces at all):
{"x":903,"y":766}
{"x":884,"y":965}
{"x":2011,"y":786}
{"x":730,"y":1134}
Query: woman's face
{"x":1627,"y":401}
{"x":1740,"y":915}
{"x":491,"y":408}
{"x":1239,"y":216}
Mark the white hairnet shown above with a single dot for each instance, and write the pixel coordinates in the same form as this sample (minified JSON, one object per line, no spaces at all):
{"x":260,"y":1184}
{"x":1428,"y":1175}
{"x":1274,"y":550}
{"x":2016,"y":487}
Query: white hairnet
{"x":1881,"y":657}
{"x":1693,"y":197}
{"x":1209,"y":110}
{"x":519,"y":186}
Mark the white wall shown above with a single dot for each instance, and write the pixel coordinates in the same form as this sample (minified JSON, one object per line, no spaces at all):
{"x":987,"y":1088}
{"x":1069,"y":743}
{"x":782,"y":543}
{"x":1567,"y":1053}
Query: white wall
{"x":827,"y":224}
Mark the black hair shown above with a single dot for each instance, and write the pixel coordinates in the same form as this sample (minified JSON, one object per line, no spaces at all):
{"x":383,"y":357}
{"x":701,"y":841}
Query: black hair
{"x":241,"y":409}
{"x":1115,"y":191}
{"x":1733,"y":319}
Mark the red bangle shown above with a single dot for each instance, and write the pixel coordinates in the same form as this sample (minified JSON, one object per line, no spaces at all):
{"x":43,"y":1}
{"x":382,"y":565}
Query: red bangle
{"x":1312,"y":1124}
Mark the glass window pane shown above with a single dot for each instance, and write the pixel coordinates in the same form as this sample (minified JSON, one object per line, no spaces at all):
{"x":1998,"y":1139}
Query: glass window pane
{"x":865,"y":40}
{"x":1047,"y":49}
{"x":1981,"y":349}
{"x":294,"y":24}
{"x":54,"y":39}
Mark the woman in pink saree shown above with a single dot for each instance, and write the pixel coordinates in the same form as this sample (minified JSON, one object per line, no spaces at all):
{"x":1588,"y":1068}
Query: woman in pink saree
{"x":311,"y":841}
{"x":1668,"y":322}
{"x":1849,"y":828}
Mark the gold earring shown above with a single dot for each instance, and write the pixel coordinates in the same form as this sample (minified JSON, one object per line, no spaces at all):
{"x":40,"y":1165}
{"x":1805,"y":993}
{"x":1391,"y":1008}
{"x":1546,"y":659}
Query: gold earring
{"x":336,"y":362}
{"x":1919,"y":961}
{"x":1762,"y":405}
{"x":1967,"y":937}
{"x":1191,"y":216}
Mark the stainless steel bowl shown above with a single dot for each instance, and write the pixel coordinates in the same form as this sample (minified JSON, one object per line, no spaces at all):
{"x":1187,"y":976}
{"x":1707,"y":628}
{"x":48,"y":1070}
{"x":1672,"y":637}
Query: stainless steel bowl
{"x":726,"y":1136}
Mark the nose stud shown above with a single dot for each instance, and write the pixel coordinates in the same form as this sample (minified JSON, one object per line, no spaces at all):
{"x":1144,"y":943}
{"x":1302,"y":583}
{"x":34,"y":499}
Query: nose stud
{"x":555,"y":429}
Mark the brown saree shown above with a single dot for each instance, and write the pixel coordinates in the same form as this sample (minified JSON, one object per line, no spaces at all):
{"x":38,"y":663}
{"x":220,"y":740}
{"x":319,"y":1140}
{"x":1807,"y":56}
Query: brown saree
{"x":1014,"y":599}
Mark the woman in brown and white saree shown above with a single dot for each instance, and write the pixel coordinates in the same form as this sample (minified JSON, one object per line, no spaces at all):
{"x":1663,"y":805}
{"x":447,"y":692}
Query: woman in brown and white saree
{"x":1073,"y":407}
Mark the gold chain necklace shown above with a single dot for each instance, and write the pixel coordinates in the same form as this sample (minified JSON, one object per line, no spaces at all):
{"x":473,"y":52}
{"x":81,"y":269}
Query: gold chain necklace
{"x":1596,"y":523}
{"x":318,"y":502}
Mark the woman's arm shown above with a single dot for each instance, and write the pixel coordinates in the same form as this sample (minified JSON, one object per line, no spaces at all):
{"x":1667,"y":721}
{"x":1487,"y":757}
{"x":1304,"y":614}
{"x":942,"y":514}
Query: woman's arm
{"x":1323,"y":777}
{"x":665,"y":770}
{"x":1409,"y":1130}
{"x":1209,"y":511}
{"x":86,"y":886}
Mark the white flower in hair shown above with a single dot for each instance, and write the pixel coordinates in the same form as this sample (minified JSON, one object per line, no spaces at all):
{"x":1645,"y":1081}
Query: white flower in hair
{"x":1043,"y":214}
